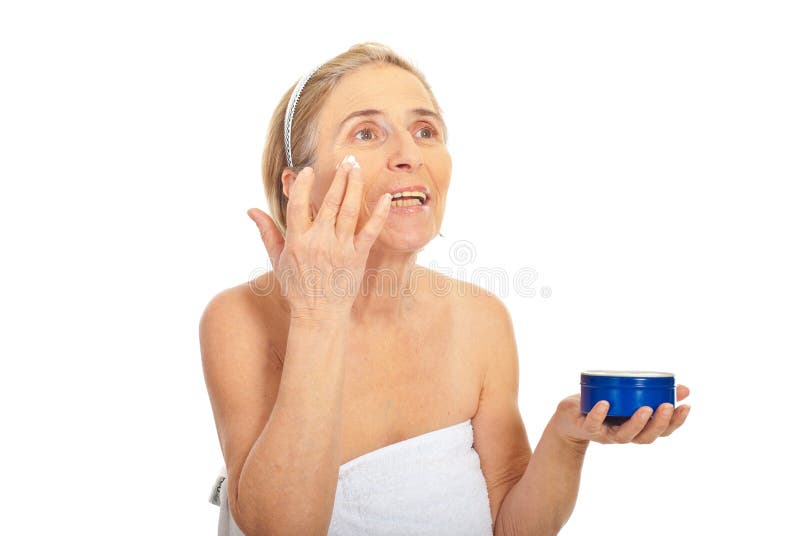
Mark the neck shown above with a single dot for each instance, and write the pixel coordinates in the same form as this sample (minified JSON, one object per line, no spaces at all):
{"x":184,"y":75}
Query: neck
{"x":390,"y":289}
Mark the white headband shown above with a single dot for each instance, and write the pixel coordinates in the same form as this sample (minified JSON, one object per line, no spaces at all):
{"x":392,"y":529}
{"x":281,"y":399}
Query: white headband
{"x":287,"y":121}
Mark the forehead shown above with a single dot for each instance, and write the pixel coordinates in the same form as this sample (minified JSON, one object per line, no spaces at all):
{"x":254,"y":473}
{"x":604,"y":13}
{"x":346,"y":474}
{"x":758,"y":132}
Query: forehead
{"x":383,"y":87}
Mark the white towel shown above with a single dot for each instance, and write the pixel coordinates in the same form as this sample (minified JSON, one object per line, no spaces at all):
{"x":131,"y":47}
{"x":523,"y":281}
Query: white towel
{"x":430,"y":484}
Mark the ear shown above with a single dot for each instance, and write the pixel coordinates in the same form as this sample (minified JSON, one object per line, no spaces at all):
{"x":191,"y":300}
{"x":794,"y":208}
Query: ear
{"x":287,"y":181}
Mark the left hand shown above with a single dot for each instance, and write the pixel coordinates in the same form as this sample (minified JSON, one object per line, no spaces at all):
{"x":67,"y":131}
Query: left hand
{"x":575,"y":427}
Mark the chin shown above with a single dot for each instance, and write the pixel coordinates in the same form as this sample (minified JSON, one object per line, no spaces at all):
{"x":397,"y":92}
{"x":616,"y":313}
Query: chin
{"x":407,"y":241}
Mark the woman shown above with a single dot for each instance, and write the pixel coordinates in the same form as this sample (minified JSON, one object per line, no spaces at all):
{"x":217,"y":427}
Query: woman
{"x":348,"y":386}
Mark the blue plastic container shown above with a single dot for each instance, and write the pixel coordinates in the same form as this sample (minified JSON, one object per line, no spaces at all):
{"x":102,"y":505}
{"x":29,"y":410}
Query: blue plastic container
{"x":626,"y":390}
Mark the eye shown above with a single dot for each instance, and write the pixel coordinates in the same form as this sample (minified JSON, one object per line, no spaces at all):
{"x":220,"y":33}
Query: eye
{"x":430,"y":130}
{"x":366,"y":130}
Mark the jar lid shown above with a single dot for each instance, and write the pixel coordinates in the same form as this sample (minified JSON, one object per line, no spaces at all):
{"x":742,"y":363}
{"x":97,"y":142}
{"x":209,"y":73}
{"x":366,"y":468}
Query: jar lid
{"x":629,"y":373}
{"x":627,"y":378}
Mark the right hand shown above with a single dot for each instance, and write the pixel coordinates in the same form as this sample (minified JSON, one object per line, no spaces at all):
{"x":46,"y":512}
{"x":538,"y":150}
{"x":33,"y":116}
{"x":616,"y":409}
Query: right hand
{"x":320,"y":264}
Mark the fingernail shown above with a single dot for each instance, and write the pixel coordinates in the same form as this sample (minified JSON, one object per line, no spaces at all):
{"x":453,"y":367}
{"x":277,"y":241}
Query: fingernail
{"x":349,"y":158}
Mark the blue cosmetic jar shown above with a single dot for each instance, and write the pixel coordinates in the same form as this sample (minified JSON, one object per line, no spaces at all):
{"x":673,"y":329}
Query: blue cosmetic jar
{"x":626,"y":390}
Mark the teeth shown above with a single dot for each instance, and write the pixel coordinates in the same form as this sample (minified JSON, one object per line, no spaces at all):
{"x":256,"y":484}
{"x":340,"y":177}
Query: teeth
{"x":411,"y":193}
{"x":406,"y":202}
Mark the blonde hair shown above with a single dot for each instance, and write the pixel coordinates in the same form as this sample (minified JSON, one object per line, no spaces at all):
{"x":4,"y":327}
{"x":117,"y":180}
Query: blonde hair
{"x":306,"y":113}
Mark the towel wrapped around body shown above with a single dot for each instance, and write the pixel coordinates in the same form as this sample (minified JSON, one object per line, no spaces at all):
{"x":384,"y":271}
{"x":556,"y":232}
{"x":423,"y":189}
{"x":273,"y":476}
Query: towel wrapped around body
{"x":430,"y":484}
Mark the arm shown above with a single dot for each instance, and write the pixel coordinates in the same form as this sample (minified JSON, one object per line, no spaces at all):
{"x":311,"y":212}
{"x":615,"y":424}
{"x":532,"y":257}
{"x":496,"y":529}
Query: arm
{"x":531,"y":493}
{"x":289,"y":476}
{"x":543,"y":499}
{"x":535,"y":493}
{"x":288,"y":481}
{"x":280,"y":429}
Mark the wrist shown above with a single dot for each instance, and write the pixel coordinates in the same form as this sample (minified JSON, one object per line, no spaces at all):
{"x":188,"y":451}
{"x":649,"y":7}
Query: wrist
{"x":572,"y":444}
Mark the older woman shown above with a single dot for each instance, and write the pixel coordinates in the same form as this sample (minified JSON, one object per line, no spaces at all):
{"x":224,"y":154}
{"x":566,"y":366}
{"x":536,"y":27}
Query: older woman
{"x":352,"y":393}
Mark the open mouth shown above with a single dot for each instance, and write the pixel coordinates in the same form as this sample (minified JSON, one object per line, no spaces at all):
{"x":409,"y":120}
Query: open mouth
{"x":409,"y":199}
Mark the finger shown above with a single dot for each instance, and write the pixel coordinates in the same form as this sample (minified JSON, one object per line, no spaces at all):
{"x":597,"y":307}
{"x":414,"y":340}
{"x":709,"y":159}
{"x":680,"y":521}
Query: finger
{"x":681,"y":392}
{"x":298,"y":215}
{"x":678,"y":418}
{"x":333,"y":199}
{"x":351,"y":205}
{"x":657,"y":425}
{"x":270,"y":234}
{"x":593,"y":425}
{"x":631,"y":428}
{"x":372,"y":228}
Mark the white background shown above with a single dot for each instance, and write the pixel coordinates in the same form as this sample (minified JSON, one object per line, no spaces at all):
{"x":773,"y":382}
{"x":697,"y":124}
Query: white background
{"x":641,"y":157}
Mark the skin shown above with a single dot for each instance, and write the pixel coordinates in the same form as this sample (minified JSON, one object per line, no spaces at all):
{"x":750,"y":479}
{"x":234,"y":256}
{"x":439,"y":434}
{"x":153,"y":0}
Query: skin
{"x":336,"y":220}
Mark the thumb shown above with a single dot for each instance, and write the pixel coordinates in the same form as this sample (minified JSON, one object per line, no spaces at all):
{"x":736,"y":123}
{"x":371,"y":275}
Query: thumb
{"x":270,"y":234}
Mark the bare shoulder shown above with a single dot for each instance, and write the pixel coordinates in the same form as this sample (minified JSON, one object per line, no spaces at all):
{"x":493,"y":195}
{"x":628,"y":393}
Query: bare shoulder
{"x":467,"y":295}
{"x":236,"y":312}
{"x":253,"y":309}
{"x":480,"y":314}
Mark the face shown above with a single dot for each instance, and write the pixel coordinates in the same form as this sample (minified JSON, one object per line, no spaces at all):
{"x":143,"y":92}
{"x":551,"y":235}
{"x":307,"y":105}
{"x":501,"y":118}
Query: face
{"x":398,"y":148}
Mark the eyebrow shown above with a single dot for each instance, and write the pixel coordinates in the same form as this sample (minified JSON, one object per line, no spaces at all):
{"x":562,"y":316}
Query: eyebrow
{"x":424,"y":112}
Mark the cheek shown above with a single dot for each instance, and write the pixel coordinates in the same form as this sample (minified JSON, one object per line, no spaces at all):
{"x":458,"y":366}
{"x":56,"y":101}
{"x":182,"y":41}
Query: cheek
{"x":441,"y":179}
{"x":442,"y":167}
{"x":320,"y":189}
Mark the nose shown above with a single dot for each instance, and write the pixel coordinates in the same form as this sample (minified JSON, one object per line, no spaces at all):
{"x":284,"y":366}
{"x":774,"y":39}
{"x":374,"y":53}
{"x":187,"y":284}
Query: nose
{"x":404,"y":153}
